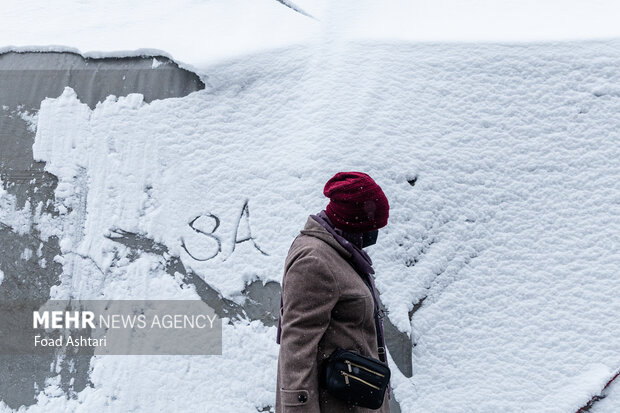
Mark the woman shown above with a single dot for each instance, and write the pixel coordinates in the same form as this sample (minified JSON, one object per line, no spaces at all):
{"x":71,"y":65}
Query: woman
{"x":326,"y":302}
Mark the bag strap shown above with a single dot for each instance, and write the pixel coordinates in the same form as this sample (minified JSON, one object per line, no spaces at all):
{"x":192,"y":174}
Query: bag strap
{"x":378,"y":327}
{"x":377,"y":310}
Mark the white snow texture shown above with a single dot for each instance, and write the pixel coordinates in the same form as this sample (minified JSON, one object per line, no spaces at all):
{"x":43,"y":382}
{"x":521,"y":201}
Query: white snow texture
{"x":511,"y":229}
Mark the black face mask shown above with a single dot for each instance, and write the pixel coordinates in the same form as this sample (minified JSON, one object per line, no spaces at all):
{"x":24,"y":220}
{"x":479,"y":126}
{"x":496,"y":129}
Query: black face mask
{"x":369,"y":238}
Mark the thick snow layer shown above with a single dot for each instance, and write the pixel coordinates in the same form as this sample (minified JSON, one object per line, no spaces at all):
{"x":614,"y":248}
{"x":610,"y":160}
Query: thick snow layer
{"x":193,"y":31}
{"x":197,"y":33}
{"x":468,"y":20}
{"x":501,"y":165}
{"x":611,"y":402}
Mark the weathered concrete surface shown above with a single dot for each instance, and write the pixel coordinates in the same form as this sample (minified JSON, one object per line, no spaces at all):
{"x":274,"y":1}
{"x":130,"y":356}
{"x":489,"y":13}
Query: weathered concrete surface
{"x":25,"y":80}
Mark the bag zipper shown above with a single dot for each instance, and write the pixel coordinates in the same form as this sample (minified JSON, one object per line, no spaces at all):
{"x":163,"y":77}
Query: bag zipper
{"x":350,"y":363}
{"x":347,"y":375}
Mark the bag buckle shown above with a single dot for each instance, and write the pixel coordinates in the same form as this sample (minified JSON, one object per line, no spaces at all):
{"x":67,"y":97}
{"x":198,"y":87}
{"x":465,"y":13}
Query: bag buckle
{"x":381,"y":350}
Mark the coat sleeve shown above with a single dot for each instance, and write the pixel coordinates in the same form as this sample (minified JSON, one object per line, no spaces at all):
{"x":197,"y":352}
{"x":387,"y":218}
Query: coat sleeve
{"x":309,"y":293}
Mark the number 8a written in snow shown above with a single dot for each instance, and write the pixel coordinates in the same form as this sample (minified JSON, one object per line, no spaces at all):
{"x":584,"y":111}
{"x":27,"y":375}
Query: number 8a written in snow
{"x":245,"y":213}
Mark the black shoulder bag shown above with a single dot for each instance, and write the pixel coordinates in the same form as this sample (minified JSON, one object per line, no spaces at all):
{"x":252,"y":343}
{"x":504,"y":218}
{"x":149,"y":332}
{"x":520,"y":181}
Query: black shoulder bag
{"x":359,"y":380}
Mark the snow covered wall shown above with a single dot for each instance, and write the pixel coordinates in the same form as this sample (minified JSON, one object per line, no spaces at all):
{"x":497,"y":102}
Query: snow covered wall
{"x":500,"y":260}
{"x":28,"y":265}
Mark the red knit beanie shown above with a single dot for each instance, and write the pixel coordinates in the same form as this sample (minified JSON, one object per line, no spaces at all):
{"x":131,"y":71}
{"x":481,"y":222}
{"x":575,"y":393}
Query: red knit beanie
{"x":356,"y":202}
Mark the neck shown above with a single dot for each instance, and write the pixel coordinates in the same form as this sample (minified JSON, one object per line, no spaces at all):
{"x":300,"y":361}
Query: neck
{"x":355,"y":238}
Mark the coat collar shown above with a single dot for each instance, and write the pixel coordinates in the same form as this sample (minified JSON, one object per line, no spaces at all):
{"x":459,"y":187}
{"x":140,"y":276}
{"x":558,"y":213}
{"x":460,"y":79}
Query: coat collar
{"x":314,"y":229}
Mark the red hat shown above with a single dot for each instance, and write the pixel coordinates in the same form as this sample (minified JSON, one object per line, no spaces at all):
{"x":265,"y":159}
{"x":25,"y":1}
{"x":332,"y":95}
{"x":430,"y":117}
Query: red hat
{"x":356,"y":202}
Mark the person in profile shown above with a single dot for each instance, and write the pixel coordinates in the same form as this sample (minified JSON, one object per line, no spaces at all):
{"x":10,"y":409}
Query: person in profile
{"x":328,"y":297}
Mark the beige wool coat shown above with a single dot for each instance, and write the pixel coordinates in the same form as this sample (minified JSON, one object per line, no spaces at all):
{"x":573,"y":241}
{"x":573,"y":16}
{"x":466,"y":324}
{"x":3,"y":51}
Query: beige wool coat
{"x":326,"y":305}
